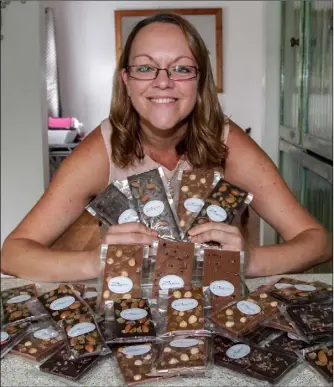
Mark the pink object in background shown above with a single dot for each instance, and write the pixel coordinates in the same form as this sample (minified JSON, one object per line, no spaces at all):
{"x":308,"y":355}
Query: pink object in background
{"x":60,"y":123}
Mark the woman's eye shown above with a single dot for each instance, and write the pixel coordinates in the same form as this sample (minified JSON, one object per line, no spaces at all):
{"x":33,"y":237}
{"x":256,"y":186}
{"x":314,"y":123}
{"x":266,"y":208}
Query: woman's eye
{"x":144,"y":69}
{"x":181,"y":69}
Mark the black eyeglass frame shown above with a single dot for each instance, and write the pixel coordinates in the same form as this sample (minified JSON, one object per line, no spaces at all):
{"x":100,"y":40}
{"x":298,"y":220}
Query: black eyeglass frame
{"x":127,"y":68}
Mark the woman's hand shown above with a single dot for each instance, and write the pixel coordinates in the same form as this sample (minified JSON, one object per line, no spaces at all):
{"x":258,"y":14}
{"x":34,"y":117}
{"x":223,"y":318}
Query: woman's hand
{"x":130,"y":233}
{"x":229,"y":237}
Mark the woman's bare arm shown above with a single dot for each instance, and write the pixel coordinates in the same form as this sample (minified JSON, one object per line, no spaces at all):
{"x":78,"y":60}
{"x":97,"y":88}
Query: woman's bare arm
{"x":307,"y":242}
{"x":26,"y":252}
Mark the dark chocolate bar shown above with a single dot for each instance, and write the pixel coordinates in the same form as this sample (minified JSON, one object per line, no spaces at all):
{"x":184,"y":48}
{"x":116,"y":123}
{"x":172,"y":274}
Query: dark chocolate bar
{"x":260,"y":334}
{"x":287,"y":342}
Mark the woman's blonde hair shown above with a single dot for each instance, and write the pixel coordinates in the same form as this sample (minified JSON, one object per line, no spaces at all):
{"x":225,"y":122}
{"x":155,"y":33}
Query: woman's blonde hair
{"x":202,"y":143}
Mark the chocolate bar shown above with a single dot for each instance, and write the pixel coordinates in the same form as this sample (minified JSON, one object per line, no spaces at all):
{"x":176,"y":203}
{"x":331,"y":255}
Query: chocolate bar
{"x":122,"y":273}
{"x":321,"y":359}
{"x":221,"y":273}
{"x":260,"y":334}
{"x":287,"y":342}
{"x":133,"y":319}
{"x":152,"y":203}
{"x":112,"y":207}
{"x":251,"y":360}
{"x":173,"y":267}
{"x":39,"y":344}
{"x":185,"y":310}
{"x":59,"y":364}
{"x":12,"y":334}
{"x":90,"y":296}
{"x":280,"y":322}
{"x":14,"y":302}
{"x":245,"y":315}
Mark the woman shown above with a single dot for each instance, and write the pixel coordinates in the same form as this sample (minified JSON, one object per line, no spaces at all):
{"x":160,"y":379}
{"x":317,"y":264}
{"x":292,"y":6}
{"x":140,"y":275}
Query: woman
{"x":165,"y":111}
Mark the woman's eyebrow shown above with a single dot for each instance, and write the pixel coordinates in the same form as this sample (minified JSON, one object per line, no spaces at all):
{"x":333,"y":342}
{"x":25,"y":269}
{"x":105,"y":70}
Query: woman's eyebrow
{"x":175,"y":60}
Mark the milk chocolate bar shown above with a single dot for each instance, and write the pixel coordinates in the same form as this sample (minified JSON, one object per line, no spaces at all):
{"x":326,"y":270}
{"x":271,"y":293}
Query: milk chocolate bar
{"x":251,"y":360}
{"x":39,"y":344}
{"x":122,"y":273}
{"x":184,"y":355}
{"x":153,"y":205}
{"x":133,"y":319}
{"x":73,"y":316}
{"x":59,"y":364}
{"x":295,"y":292}
{"x":112,"y":207}
{"x":245,"y":315}
{"x":136,"y":361}
{"x":223,"y":203}
{"x":173,"y":267}
{"x":321,"y":359}
{"x":194,"y":188}
{"x":185,"y":310}
{"x":14,"y":302}
{"x":12,"y":334}
{"x":221,"y":273}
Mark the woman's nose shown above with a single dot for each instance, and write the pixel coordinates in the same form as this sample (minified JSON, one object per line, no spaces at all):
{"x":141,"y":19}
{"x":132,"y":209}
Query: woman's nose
{"x":162,"y":80}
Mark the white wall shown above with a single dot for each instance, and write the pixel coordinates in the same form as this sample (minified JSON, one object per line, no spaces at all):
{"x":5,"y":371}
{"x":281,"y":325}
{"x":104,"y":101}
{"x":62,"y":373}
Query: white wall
{"x":24,"y":159}
{"x":87,"y":59}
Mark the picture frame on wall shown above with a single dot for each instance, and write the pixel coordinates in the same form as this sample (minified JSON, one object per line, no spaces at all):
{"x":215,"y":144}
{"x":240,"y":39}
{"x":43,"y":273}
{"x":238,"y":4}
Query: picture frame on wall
{"x":208,"y":22}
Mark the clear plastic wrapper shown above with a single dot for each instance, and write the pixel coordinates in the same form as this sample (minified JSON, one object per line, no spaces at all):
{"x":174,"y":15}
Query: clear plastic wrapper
{"x":279,"y":322}
{"x":286,"y":342}
{"x":154,"y":203}
{"x":121,"y":272}
{"x":20,"y":304}
{"x":11,"y":334}
{"x":223,"y":203}
{"x":320,"y":358}
{"x":261,"y":334}
{"x":112,"y":207}
{"x":253,"y":361}
{"x":296,"y":292}
{"x":123,"y":186}
{"x":83,"y":337}
{"x":44,"y":339}
{"x":195,"y":186}
{"x":184,"y":355}
{"x":244,"y":316}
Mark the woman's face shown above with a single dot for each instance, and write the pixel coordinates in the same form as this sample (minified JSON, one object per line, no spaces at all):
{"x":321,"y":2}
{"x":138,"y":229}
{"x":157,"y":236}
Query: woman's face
{"x":162,"y":102}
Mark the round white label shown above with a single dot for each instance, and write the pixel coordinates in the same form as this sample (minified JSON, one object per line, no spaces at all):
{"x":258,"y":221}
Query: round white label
{"x":184,"y":304}
{"x":193,"y":205}
{"x":17,"y":299}
{"x":222,"y":288}
{"x":46,"y":334}
{"x":136,"y":350}
{"x":62,"y":303}
{"x":120,"y":285}
{"x":281,"y":285}
{"x":238,"y":351}
{"x":127,"y":216}
{"x":171,"y":282}
{"x":216,"y":213}
{"x":305,"y":288}
{"x":89,"y":294}
{"x":153,"y":208}
{"x":133,"y":314}
{"x":81,"y":329}
{"x":293,"y":337}
{"x":248,"y":307}
{"x":183,"y":343}
{"x":4,"y":336}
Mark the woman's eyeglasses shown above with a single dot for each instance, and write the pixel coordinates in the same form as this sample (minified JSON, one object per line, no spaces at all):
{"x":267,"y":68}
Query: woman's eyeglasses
{"x":148,"y":72}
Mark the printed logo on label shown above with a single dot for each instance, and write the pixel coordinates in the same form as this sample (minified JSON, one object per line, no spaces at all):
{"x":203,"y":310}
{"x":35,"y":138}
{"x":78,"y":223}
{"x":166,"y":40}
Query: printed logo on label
{"x":184,"y":304}
{"x":238,"y":351}
{"x":222,"y":288}
{"x":248,"y":307}
{"x":89,"y":294}
{"x":305,"y":288}
{"x":293,"y":337}
{"x":193,"y":204}
{"x":62,"y":303}
{"x":46,"y":334}
{"x":120,"y":285}
{"x":127,"y":216}
{"x":81,"y":329}
{"x":133,"y":314}
{"x":216,"y":213}
{"x":136,"y":350}
{"x":17,"y":299}
{"x":4,"y":336}
{"x":153,"y":208}
{"x":183,"y":343}
{"x":282,"y":285}
{"x":171,"y":282}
